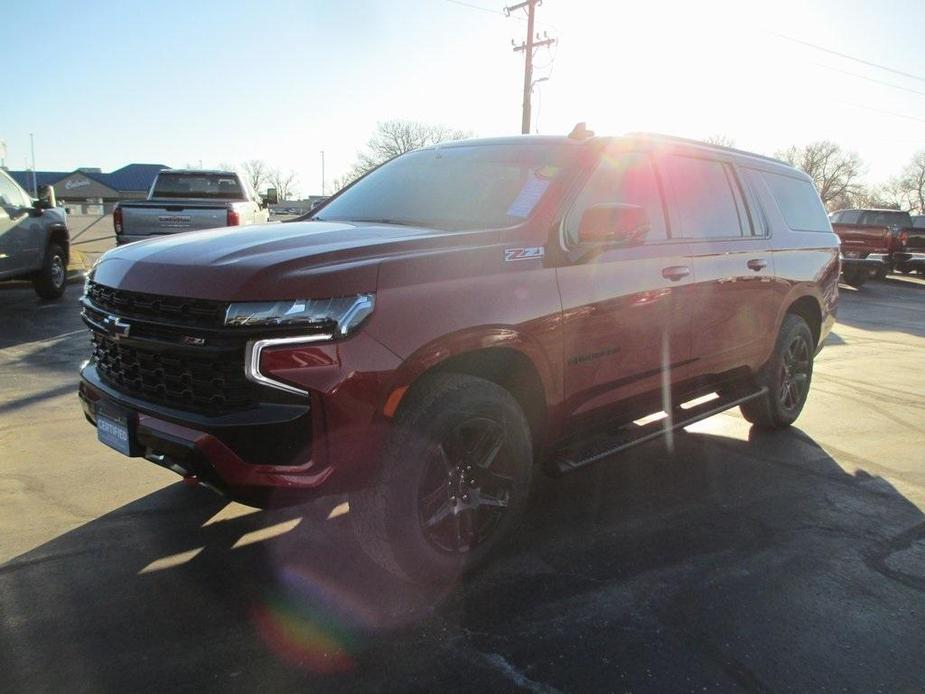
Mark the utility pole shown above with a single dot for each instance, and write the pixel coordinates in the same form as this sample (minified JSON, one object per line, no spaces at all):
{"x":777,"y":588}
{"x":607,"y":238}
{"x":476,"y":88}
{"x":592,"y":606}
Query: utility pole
{"x":322,"y":173}
{"x":528,"y":47}
{"x":35,"y":187}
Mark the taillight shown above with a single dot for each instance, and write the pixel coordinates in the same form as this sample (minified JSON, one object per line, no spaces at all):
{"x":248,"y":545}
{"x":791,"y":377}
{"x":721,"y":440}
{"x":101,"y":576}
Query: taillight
{"x":234,"y":219}
{"x":903,"y":238}
{"x":117,"y":219}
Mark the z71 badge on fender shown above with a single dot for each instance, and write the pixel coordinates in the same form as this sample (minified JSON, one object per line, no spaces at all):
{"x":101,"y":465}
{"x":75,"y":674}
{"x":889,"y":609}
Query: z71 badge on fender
{"x":523,"y":253}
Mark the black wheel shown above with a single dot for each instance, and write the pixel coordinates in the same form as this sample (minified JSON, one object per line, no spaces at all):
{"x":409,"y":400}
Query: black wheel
{"x":881,"y":273}
{"x":855,"y":277}
{"x":453,"y":482}
{"x":904,"y":269}
{"x":50,"y":281}
{"x":787,"y":376}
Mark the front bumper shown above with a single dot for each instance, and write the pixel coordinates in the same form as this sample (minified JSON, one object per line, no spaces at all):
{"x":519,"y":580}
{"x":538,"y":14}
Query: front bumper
{"x":220,"y":451}
{"x":280,"y":449}
{"x":909,"y":260}
{"x":874,"y":263}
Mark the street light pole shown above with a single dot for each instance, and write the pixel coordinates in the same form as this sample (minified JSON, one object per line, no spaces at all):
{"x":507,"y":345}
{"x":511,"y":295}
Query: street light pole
{"x":322,"y":173}
{"x":35,"y":187}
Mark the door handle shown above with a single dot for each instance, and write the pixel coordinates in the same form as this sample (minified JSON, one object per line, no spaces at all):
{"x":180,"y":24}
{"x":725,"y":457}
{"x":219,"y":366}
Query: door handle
{"x":675,"y":272}
{"x":757,"y":264}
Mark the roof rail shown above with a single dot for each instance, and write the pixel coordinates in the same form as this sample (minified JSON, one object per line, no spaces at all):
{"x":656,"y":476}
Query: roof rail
{"x":701,"y":143}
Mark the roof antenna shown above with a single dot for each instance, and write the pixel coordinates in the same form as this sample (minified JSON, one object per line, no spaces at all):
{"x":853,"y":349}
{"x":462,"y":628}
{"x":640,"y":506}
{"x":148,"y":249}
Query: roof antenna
{"x":580,"y":132}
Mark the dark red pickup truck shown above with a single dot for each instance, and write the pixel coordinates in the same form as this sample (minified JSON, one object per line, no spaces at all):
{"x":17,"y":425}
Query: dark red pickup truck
{"x":459,"y":320}
{"x":871,"y":240}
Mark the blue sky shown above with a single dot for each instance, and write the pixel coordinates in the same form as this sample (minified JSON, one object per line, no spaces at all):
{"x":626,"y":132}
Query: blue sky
{"x":108,"y":83}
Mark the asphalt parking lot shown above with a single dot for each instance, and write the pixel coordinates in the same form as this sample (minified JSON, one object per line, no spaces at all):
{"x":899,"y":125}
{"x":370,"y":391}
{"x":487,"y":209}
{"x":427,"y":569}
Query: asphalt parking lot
{"x":744,"y":561}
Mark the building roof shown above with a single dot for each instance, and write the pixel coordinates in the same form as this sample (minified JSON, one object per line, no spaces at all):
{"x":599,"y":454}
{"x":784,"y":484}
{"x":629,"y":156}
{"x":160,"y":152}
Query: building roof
{"x":24,"y":178}
{"x":133,"y":177}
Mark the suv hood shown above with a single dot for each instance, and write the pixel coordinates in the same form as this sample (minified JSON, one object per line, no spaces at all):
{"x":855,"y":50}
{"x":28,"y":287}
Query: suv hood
{"x":266,"y":261}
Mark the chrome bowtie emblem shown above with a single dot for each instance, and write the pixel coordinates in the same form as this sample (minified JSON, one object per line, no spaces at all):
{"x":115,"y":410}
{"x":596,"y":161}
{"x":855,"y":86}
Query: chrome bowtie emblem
{"x":116,"y":327}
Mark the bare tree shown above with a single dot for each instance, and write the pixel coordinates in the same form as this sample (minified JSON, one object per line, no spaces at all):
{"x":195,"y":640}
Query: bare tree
{"x":283,"y":182}
{"x":341,"y":182}
{"x":910,"y":186}
{"x":394,"y":137}
{"x":256,"y":173}
{"x":866,"y":197}
{"x":833,"y":170}
{"x":721,"y":140}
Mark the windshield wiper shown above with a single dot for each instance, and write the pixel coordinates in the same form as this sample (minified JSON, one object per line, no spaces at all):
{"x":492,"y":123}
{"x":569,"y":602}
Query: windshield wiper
{"x":396,"y":222}
{"x":381,"y":220}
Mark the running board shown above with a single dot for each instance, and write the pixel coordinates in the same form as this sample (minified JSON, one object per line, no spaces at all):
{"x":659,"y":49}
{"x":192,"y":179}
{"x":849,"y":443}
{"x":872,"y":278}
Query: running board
{"x":603,"y":445}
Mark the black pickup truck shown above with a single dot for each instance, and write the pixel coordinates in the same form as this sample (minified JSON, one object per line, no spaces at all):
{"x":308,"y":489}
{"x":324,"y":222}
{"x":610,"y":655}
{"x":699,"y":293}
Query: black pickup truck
{"x":910,"y":253}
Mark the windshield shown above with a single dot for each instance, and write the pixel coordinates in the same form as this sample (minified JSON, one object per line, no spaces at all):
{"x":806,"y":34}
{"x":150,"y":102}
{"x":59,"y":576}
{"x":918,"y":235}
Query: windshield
{"x":455,"y":188}
{"x":184,"y":185}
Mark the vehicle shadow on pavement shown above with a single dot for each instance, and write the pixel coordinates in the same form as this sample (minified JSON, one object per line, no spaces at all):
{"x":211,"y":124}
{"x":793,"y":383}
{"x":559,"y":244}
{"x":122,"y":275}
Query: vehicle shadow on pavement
{"x":28,"y":319}
{"x":899,"y":307}
{"x":752,"y":561}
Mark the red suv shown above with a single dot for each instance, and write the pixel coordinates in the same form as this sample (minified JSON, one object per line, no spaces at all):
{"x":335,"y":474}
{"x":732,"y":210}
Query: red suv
{"x":458,"y":320}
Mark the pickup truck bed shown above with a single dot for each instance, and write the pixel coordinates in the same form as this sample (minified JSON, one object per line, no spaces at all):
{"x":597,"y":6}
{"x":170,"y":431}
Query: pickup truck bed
{"x":151,"y":217}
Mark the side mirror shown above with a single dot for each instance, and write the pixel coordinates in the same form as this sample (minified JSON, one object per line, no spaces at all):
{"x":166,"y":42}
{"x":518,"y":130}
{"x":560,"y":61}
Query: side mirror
{"x":271,"y":198}
{"x":613,"y":222}
{"x":46,"y":199}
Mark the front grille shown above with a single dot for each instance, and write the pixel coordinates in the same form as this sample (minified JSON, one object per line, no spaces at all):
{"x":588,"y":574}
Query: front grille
{"x":210,"y":383}
{"x":168,"y":309}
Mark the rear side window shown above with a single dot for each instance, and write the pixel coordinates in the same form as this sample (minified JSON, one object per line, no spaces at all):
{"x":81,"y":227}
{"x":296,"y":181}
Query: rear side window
{"x":706,"y":198}
{"x":886,"y":218}
{"x":798,"y":201}
{"x":918,"y":222}
{"x":621,"y":178}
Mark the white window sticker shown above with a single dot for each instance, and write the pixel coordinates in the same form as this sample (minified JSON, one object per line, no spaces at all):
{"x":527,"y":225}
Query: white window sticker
{"x":529,"y":196}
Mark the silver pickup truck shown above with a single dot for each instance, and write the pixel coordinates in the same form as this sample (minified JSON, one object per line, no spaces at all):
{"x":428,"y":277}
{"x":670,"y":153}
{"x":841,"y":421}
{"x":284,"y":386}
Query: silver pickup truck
{"x":34,"y":240}
{"x":188,"y":200}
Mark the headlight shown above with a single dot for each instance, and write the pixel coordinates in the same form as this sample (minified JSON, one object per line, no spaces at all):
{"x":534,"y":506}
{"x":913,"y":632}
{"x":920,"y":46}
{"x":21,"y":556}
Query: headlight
{"x":340,"y":315}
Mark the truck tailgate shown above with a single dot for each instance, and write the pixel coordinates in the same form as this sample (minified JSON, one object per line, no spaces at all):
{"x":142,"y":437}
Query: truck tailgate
{"x":859,"y":241}
{"x":140,"y":219}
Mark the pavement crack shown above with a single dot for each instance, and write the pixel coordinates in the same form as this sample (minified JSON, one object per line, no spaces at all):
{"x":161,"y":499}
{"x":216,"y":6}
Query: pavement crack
{"x":501,"y":665}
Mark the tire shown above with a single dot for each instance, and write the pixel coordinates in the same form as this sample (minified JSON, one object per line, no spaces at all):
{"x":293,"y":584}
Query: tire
{"x":423,"y":519}
{"x":904,"y":269}
{"x":855,"y":277}
{"x":787,"y":376}
{"x":881,"y":273}
{"x":51,"y":281}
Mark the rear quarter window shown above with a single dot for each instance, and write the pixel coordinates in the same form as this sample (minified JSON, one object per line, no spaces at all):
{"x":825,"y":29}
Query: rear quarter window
{"x":798,"y":201}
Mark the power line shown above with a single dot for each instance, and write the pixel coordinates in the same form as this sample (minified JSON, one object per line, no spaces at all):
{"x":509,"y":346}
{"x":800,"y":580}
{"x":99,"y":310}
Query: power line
{"x":870,"y":79}
{"x":884,"y":112}
{"x":476,"y":7}
{"x":849,"y":57}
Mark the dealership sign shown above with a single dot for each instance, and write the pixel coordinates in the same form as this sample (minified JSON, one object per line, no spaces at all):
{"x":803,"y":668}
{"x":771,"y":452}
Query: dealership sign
{"x":75,"y":183}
